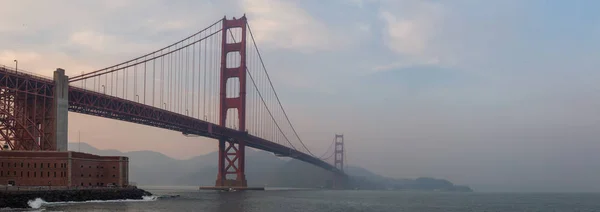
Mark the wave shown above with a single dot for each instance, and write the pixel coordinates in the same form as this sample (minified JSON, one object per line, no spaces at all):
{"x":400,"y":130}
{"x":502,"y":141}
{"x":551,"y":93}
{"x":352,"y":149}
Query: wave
{"x":38,"y":202}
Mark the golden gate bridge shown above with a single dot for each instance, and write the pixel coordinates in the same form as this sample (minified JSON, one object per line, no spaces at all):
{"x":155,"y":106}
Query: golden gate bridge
{"x":213,"y":83}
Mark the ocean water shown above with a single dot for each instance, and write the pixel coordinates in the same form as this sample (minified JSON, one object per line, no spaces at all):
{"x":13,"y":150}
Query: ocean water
{"x":285,"y":200}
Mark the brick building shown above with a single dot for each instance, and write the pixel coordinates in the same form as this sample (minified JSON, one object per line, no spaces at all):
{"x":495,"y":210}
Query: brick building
{"x":53,"y":168}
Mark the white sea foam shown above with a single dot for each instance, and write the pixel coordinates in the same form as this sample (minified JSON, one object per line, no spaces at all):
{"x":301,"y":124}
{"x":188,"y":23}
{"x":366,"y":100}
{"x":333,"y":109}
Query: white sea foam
{"x":38,"y":202}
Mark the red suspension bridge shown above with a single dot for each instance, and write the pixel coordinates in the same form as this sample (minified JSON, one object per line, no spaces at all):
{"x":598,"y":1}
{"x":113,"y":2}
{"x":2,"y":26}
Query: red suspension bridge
{"x":213,"y":83}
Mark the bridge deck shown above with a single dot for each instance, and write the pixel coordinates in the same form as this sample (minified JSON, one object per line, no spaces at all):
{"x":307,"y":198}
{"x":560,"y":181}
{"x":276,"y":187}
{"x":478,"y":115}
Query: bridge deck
{"x":102,"y":105}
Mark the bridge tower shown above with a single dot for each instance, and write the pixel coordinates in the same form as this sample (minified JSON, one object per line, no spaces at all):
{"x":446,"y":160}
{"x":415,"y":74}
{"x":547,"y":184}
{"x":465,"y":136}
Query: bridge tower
{"x":339,"y":180}
{"x":232,"y":155}
{"x":339,"y":152}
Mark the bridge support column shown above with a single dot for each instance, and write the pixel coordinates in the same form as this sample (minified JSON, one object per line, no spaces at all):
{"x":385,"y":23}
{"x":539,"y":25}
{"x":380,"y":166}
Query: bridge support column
{"x":26,"y":113}
{"x":232,"y":152}
{"x":231,"y":162}
{"x":61,"y":110}
{"x":340,"y":181}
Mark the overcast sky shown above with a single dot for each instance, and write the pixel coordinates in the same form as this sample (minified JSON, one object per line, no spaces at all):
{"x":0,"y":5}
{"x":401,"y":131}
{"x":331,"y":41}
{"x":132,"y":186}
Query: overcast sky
{"x":502,"y":95}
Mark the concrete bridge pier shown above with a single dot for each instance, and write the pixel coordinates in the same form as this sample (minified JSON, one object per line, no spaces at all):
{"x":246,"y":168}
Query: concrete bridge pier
{"x":61,"y":110}
{"x":340,"y":181}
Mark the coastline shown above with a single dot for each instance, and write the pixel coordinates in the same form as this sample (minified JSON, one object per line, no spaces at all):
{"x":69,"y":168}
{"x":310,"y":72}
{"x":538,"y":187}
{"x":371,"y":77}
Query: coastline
{"x":21,"y":198}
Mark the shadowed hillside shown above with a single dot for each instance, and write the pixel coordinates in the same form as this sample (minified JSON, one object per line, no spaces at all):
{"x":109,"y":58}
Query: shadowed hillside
{"x":262,"y":169}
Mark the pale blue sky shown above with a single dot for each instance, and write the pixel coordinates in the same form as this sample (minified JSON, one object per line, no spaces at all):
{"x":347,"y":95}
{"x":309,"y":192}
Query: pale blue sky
{"x":501,"y":95}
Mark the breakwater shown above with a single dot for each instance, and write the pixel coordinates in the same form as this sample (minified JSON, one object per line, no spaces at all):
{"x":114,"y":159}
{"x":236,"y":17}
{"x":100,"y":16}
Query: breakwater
{"x":20,"y":199}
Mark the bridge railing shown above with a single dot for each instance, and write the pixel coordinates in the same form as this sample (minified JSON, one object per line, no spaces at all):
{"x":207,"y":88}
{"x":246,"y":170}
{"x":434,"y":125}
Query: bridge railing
{"x":21,"y":71}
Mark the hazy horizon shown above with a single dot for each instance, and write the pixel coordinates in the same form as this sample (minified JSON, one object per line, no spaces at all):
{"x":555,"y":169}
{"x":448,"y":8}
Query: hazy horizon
{"x":501,"y":95}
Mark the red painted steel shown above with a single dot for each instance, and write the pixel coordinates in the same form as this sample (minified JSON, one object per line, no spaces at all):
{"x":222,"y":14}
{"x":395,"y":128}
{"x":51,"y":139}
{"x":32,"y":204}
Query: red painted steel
{"x":26,"y":114}
{"x":232,"y":154}
{"x":26,"y":111}
{"x":102,"y":105}
{"x":98,"y":104}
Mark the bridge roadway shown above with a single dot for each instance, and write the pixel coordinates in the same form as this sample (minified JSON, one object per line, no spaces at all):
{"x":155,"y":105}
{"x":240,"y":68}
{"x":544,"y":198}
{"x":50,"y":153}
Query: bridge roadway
{"x":102,"y":105}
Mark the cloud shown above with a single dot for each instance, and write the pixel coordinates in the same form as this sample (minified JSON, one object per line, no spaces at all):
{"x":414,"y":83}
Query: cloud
{"x":403,"y":64}
{"x":101,"y":44}
{"x":363,"y":27}
{"x":44,"y":63}
{"x":93,"y":40}
{"x":405,"y":36}
{"x":115,"y":4}
{"x":283,"y":24}
{"x":357,"y":3}
{"x":159,"y":25}
{"x":410,"y":27}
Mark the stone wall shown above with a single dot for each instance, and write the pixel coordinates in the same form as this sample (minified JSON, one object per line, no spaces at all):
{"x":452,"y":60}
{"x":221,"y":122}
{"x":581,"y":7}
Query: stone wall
{"x":51,"y":168}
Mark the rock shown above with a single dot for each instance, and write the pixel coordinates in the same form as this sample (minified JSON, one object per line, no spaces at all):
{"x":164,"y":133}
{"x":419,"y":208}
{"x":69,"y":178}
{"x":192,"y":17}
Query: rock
{"x":19,"y":199}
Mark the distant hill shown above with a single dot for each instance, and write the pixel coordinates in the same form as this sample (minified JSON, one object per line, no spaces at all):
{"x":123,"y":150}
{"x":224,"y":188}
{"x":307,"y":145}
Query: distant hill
{"x":154,"y":168}
{"x":262,"y":169}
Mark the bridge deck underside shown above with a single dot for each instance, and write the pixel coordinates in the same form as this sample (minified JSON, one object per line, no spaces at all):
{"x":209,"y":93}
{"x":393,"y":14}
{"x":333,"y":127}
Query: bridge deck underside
{"x":98,"y":104}
{"x":25,"y":104}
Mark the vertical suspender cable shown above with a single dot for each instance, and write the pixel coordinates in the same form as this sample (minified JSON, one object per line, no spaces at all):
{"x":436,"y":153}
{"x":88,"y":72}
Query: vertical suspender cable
{"x":145,"y":82}
{"x":193,"y":77}
{"x":204,"y":73}
{"x":162,"y":81}
{"x":153,"y":81}
{"x":187,"y":69}
{"x":135,"y":94}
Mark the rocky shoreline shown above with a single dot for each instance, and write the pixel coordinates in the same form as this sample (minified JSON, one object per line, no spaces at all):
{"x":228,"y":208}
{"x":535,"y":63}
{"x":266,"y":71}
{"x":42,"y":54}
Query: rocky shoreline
{"x":20,"y":199}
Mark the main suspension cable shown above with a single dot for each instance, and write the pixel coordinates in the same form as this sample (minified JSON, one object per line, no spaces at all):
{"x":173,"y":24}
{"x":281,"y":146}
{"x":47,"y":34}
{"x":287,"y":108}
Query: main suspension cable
{"x":276,"y":96}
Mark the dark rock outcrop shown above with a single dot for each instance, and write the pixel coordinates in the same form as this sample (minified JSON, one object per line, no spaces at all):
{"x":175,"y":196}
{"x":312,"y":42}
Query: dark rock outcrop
{"x":19,"y":199}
